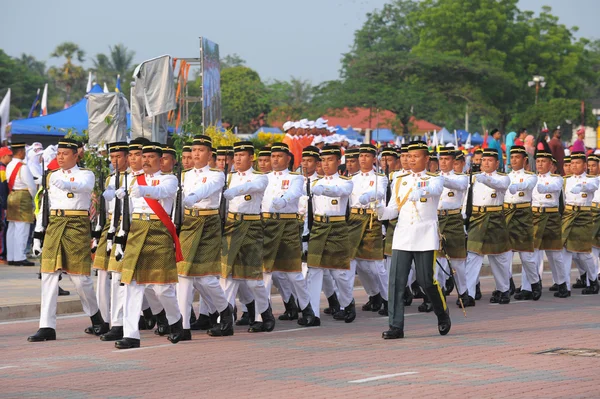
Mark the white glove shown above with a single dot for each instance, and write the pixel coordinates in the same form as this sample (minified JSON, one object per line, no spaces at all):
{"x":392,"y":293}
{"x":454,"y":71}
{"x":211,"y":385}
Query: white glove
{"x":542,"y":188}
{"x":63,"y":185}
{"x":94,"y":245}
{"x":119,"y":252}
{"x":37,"y":247}
{"x":415,"y":195}
{"x":120,"y":193}
{"x":318,"y":189}
{"x":379,"y":208}
{"x":513,"y":188}
{"x":365,"y":199}
{"x":482,"y":178}
{"x":138,"y":191}
{"x":576,"y":189}
{"x":230,"y":193}
{"x":109,"y":193}
{"x":109,"y":244}
{"x":190,"y":200}
{"x":279,"y":203}
{"x":305,"y":247}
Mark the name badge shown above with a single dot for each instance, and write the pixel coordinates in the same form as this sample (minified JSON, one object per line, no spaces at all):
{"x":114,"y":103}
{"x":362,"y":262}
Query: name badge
{"x":334,"y":202}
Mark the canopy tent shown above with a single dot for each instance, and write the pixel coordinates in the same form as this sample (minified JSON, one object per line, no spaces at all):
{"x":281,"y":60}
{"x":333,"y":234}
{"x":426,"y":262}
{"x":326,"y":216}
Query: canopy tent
{"x":462,"y":136}
{"x":383,"y":135}
{"x":268,"y":130}
{"x":476,"y":139}
{"x":350,"y":133}
{"x":74,"y":118}
{"x":444,"y":136}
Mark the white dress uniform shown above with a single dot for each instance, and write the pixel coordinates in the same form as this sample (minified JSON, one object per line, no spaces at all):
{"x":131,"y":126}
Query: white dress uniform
{"x":578,"y":190}
{"x":334,"y":187}
{"x":372,"y":273}
{"x":242,"y":184}
{"x":286,"y":282}
{"x":452,"y":198}
{"x":489,"y":190}
{"x":553,"y":185}
{"x":82,"y":184}
{"x":162,"y":188}
{"x":17,"y":233}
{"x":595,"y":249}
{"x":205,"y":185}
{"x":520,"y":191}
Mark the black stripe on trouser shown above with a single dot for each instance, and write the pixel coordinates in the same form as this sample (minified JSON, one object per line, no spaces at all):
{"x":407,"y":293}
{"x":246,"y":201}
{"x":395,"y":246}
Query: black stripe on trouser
{"x":425,"y":266}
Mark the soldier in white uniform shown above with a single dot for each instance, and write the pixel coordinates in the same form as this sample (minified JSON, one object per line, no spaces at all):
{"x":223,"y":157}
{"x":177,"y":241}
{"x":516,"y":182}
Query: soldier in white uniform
{"x":519,"y":221}
{"x":577,"y":222}
{"x":19,"y":213}
{"x":593,"y":164}
{"x":487,"y":233}
{"x":415,"y":202}
{"x":66,"y":241}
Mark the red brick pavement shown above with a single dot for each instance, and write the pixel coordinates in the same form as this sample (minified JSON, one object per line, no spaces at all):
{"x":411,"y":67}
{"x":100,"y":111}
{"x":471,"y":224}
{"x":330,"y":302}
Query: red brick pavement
{"x":491,"y":353}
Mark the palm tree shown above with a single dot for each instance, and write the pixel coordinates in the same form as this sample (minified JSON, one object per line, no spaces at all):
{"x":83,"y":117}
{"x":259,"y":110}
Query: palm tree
{"x":119,"y":61}
{"x":69,"y":74}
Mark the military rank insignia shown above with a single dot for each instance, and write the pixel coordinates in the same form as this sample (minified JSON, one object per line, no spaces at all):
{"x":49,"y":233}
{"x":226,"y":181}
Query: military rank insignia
{"x":285,"y":184}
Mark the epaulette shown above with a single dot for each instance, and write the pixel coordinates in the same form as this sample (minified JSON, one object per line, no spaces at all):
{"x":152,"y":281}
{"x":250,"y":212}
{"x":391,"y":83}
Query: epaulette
{"x":502,"y":173}
{"x":215,"y":170}
{"x":256,"y":172}
{"x":459,"y":174}
{"x":294,"y":173}
{"x":167,"y":173}
{"x":48,"y":177}
{"x":345,"y":178}
{"x":555,"y":175}
{"x":529,"y":173}
{"x":112,"y":174}
{"x":406,"y":174}
{"x":319,"y":177}
{"x":353,"y":174}
{"x":567,"y":176}
{"x":431,"y":174}
{"x":187,"y":170}
{"x":380,"y":174}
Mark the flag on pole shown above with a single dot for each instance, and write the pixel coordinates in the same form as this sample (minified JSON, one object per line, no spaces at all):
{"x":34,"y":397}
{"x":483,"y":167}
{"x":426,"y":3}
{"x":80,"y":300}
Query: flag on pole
{"x":434,"y":141}
{"x":118,"y":88}
{"x":4,"y":114}
{"x":35,"y":104}
{"x":89,"y":83}
{"x":468,"y":142}
{"x":455,"y":138}
{"x":105,"y":88}
{"x":45,"y":101}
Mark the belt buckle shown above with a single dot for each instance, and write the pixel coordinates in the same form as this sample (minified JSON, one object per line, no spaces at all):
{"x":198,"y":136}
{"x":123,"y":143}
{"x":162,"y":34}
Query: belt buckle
{"x":60,"y":212}
{"x":276,"y":216}
{"x":146,"y":216}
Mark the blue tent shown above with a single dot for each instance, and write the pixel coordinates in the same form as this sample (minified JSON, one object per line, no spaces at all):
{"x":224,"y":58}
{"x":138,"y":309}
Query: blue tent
{"x":445,"y":136}
{"x":57,"y":124}
{"x":462,"y":135}
{"x":350,"y":133}
{"x":383,"y":135}
{"x":269,"y":130}
{"x":476,"y":139}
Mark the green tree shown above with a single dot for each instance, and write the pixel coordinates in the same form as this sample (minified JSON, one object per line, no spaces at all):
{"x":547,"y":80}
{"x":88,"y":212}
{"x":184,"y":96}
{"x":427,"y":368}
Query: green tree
{"x":119,"y":61}
{"x":231,"y":61}
{"x":69,"y":76}
{"x":289,"y":100}
{"x":23,"y":82}
{"x":243,"y":97}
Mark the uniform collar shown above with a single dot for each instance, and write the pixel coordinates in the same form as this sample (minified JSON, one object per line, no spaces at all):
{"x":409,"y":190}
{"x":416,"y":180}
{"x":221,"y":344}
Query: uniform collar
{"x":137,"y":172}
{"x":581,"y":176}
{"x":518,"y":172}
{"x":281,"y":172}
{"x":447,"y":173}
{"x":245,"y":173}
{"x":545,"y":174}
{"x":332,"y":177}
{"x":203,"y":169}
{"x":155,"y":174}
{"x":419,"y":174}
{"x":73,"y":169}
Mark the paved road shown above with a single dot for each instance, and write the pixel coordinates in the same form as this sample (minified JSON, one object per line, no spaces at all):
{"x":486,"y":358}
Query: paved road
{"x":494,"y":352}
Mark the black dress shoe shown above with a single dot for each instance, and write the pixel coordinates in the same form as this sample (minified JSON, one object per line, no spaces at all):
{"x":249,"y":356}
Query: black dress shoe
{"x":449,"y":286}
{"x":504,"y":298}
{"x":98,"y":327}
{"x":524,"y":295}
{"x":376,"y":303}
{"x":225,"y":327}
{"x":202,"y":323}
{"x":267,"y":325}
{"x":114,"y":334}
{"x":478,"y":292}
{"x":384,"y":311}
{"x":444,"y":323}
{"x":308,"y":316}
{"x":149,"y":319}
{"x":291,"y":310}
{"x":593,"y":289}
{"x":469,"y":301}
{"x":517,"y":290}
{"x":142,"y":323}
{"x":127,"y":343}
{"x":162,"y":324}
{"x":24,"y":263}
{"x":244,"y":320}
{"x":176,"y":331}
{"x":511,"y":289}
{"x":408,"y":296}
{"x":43,"y":334}
{"x":187,"y":335}
{"x":495,"y":297}
{"x":563,"y":292}
{"x":316,"y":323}
{"x":367,"y":306}
{"x":536,"y":290}
{"x":12,"y":263}
{"x":350,"y":312}
{"x":581,"y":282}
{"x":62,"y":292}
{"x":425,"y":307}
{"x":393,"y":333}
{"x":554,"y":287}
{"x":416,"y":290}
{"x":334,"y":305}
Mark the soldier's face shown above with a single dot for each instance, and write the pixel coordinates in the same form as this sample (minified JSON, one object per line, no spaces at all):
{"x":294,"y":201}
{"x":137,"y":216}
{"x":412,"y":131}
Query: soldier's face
{"x":517,"y":161}
{"x":365,"y":161}
{"x":446,"y":163}
{"x":388,"y":162}
{"x":119,"y":160}
{"x":186,"y":160}
{"x":593,"y":168}
{"x":279,"y":161}
{"x":476,"y":160}
{"x":434,"y":166}
{"x":221,"y":160}
{"x":489,"y":164}
{"x":567,"y":168}
{"x":201,"y":155}
{"x":66,"y":158}
{"x":577,"y":166}
{"x":242,"y":160}
{"x":330,"y":164}
{"x":418,"y":160}
{"x":404,"y":161}
{"x":151,"y":162}
{"x":264,"y":164}
{"x":459,"y":166}
{"x":352,"y":165}
{"x":309,"y":165}
{"x":543,"y":165}
{"x":167,"y":163}
{"x":135,"y":160}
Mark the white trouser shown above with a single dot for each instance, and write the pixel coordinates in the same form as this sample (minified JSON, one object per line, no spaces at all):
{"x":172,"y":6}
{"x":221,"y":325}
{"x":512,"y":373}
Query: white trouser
{"x":151,"y":301}
{"x":117,"y":298}
{"x":530,"y":271}
{"x":84,"y":287}
{"x":500,"y":265}
{"x":298,"y":285}
{"x":256,"y":287}
{"x":284,"y":286}
{"x":441,"y":272}
{"x":209,"y":289}
{"x":368,"y":274}
{"x":595,"y":254}
{"x":17,"y":235}
{"x":134,"y":296}
{"x":315,"y":283}
{"x":244,"y":293}
{"x":383,"y":279}
{"x":103,"y":294}
{"x":584,"y":261}
{"x":329,"y":287}
{"x":460,"y":277}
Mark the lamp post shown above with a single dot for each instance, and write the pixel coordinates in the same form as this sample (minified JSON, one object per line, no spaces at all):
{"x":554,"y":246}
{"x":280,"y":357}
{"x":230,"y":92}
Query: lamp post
{"x":537,"y":82}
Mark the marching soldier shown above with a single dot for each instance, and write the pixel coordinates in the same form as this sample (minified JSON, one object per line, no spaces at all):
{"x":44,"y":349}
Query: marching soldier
{"x":593,"y":170}
{"x":201,"y":239}
{"x":351,"y":161}
{"x":242,"y":260}
{"x":225,"y":155}
{"x":152,"y":249}
{"x":186,"y":156}
{"x":451,"y":223}
{"x":264,"y":160}
{"x":282,"y":253}
{"x":364,"y":228}
{"x":459,"y":162}
{"x":577,"y":222}
{"x":113,"y":293}
{"x":547,"y":221}
{"x":329,"y":246}
{"x":19,"y":212}
{"x":567,"y":165}
{"x":519,"y":221}
{"x":415,"y":202}
{"x":168,"y":160}
{"x":487,"y":233}
{"x":67,"y":241}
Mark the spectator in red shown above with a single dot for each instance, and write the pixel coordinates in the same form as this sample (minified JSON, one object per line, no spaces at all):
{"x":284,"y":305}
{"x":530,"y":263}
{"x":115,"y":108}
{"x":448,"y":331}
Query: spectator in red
{"x":520,"y":140}
{"x":558,"y":151}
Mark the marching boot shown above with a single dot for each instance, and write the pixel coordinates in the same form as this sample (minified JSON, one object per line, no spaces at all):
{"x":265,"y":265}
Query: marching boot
{"x":187,"y":335}
{"x":244,"y":320}
{"x":284,"y":315}
{"x":416,"y":290}
{"x":466,"y":299}
{"x":234,"y":313}
{"x":478,"y":292}
{"x":444,"y":323}
{"x":554,"y":287}
{"x":202,"y":323}
{"x":43,"y":334}
{"x":213,"y":319}
{"x":192,"y":316}
{"x":581,"y":282}
{"x":592,"y":289}
{"x":350,"y":312}
{"x":393,"y":333}
{"x":308,"y":316}
{"x":176,"y":331}
{"x":425,"y":307}
{"x":127,"y":343}
{"x":449,"y":286}
{"x":291,"y":310}
{"x":162,"y":324}
{"x":149,"y":318}
{"x":114,"y":334}
{"x":225,"y":327}
{"x":268,"y":323}
{"x":524,"y":295}
{"x":563,"y":292}
{"x":142,"y":323}
{"x":504,"y":298}
{"x":367,"y":306}
{"x":408,"y":296}
{"x":98,"y":327}
{"x":334,"y":305}
{"x":536,"y":290}
{"x":495,"y":297}
{"x":62,"y":292}
{"x":384,"y":311}
{"x":517,"y":290}
{"x":511,"y":290}
{"x":376,"y":303}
